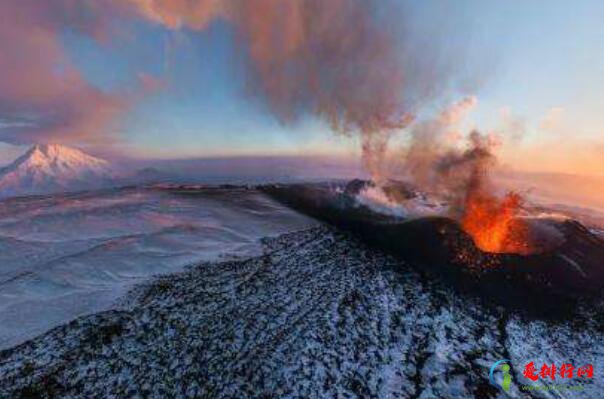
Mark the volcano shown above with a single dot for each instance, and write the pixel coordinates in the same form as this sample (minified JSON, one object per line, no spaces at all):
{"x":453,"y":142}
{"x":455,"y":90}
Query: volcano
{"x":49,"y":168}
{"x":566,"y":270}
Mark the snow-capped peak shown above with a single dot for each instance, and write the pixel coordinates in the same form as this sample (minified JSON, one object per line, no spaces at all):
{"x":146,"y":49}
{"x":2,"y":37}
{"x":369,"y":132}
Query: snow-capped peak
{"x":47,"y":168}
{"x":54,"y":158}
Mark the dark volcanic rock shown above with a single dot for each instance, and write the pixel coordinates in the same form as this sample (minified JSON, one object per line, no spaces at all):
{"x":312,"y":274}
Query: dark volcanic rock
{"x":549,"y":282}
{"x":318,"y":315}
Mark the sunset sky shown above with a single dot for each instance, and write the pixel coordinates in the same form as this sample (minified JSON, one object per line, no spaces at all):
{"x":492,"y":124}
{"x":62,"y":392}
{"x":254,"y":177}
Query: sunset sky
{"x":182,"y":90}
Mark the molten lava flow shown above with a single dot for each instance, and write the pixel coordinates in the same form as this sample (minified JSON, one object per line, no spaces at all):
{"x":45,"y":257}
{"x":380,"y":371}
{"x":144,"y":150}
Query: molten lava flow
{"x":493,"y":223}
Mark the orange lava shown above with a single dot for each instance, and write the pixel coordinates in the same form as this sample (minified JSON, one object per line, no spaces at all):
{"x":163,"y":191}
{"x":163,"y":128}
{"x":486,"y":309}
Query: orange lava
{"x":494,"y":225}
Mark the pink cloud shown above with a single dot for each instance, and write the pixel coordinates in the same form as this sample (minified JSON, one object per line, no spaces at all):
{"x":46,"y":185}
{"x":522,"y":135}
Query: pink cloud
{"x":37,"y":81}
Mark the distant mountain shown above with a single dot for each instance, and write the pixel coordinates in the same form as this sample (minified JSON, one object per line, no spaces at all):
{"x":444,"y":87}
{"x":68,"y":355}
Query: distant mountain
{"x":150,"y":175}
{"x":49,"y":168}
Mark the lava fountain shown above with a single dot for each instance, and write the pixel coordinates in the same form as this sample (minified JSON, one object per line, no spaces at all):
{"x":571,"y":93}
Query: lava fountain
{"x":494,"y":223}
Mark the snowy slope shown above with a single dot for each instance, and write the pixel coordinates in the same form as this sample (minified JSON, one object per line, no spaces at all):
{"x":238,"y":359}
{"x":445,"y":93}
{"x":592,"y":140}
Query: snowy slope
{"x":317,"y":315}
{"x":66,"y":255}
{"x":47,"y":168}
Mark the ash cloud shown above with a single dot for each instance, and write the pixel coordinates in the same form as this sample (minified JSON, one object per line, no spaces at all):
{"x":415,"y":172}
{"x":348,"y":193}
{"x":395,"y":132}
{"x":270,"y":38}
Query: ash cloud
{"x":443,"y":160}
{"x":334,"y":59}
{"x":347,"y":62}
{"x":355,"y":64}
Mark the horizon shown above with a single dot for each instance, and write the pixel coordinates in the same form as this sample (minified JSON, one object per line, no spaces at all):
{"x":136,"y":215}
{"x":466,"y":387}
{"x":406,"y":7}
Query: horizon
{"x":7,"y":157}
{"x":567,"y":189}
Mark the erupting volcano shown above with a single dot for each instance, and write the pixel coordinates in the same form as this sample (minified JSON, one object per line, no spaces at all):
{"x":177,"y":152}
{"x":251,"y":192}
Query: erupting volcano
{"x":494,"y":223}
{"x":463,"y":177}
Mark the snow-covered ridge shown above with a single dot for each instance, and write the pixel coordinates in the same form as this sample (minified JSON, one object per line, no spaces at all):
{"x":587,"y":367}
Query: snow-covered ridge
{"x":65,"y":255}
{"x":47,"y":168}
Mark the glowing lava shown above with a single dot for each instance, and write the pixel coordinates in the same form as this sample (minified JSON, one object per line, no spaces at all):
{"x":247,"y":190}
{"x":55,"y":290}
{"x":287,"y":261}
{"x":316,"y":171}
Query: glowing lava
{"x":494,"y":224}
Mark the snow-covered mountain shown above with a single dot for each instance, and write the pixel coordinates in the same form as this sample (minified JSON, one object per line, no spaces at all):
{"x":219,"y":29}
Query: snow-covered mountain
{"x":48,"y":168}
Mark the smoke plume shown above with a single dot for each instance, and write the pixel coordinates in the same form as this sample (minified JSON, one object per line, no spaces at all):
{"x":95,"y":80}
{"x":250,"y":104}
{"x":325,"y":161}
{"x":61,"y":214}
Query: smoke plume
{"x":444,"y":162}
{"x":336,"y":59}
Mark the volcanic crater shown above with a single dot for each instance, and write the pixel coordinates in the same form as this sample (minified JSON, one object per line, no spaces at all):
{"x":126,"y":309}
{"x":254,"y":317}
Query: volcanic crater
{"x":563,"y":263}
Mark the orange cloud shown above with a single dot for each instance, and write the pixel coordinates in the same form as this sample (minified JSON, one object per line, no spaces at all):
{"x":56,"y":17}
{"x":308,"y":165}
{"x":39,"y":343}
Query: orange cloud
{"x":178,"y":13}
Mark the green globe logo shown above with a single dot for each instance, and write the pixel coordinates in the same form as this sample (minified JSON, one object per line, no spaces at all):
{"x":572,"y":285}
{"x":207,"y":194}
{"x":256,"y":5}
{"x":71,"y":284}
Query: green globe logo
{"x":504,"y":367}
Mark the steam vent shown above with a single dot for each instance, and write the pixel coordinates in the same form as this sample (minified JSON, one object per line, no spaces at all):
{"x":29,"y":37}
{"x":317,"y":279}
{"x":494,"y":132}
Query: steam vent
{"x":565,"y":263}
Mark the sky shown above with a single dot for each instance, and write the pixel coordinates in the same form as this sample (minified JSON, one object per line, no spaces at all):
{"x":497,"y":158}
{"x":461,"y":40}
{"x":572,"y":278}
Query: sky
{"x":184,"y":89}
